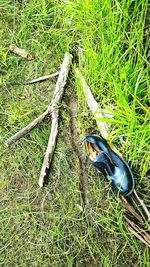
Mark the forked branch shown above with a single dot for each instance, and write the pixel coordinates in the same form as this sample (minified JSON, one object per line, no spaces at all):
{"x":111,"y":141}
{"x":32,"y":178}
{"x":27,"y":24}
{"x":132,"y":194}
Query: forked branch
{"x":59,"y":88}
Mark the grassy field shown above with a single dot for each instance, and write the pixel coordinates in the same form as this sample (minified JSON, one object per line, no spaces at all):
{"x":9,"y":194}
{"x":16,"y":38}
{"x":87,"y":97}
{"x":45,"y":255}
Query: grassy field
{"x":47,"y":227}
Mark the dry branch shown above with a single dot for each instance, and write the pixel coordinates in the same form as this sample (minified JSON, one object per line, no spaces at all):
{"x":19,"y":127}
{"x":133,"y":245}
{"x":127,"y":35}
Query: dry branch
{"x":58,"y":93}
{"x":42,"y":78}
{"x":27,"y":129}
{"x":141,"y":234}
{"x":21,"y":52}
{"x":93,"y":105}
{"x":81,"y":157}
{"x":131,"y":210}
{"x":102,"y":126}
{"x":96,"y":111}
{"x":50,"y":148}
{"x":55,"y":100}
{"x":145,"y":209}
{"x":53,"y":110}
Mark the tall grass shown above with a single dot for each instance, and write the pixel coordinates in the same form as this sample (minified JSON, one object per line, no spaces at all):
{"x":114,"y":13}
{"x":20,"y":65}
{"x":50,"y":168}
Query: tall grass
{"x":114,"y":37}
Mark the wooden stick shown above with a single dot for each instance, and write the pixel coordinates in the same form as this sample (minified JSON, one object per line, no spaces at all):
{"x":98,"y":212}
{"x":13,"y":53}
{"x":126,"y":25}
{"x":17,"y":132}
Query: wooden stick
{"x":128,"y":207}
{"x":56,"y":98}
{"x":50,"y":148}
{"x":42,"y":78}
{"x":62,"y":79}
{"x":81,"y":157}
{"x":27,"y":129}
{"x":142,"y":205}
{"x":96,"y":111}
{"x":58,"y":93}
{"x":135,"y":232}
{"x":93,"y":105}
{"x":21,"y":52}
{"x":141,"y":234}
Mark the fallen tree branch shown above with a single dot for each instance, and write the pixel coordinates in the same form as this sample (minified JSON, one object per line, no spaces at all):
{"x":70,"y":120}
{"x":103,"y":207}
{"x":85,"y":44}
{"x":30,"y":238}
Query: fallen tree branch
{"x":56,"y":98}
{"x":131,"y":210}
{"x":102,"y":126}
{"x":78,"y":148}
{"x":54,"y":111}
{"x":58,"y":93}
{"x":42,"y":78}
{"x":93,"y":105}
{"x":50,"y":148}
{"x":145,"y":209}
{"x":27,"y":129}
{"x":141,"y":234}
{"x":96,"y":111}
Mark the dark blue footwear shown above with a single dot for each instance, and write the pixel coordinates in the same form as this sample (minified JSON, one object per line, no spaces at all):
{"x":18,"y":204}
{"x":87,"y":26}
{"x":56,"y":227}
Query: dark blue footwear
{"x":105,"y":160}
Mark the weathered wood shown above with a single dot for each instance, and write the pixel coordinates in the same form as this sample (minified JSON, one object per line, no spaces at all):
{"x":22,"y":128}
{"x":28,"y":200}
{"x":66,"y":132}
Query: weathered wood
{"x":27,"y":129}
{"x":57,"y":96}
{"x":93,"y":105}
{"x":73,"y":110}
{"x":62,"y":79}
{"x":21,"y":52}
{"x":50,"y":148}
{"x":141,"y":234}
{"x":42,"y":78}
{"x":145,"y":209}
{"x":59,"y":88}
{"x":96,"y":111}
{"x":131,"y":210}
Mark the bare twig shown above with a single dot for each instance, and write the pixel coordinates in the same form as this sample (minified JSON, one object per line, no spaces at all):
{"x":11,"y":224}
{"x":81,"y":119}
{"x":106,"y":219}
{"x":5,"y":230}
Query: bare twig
{"x":142,"y":205}
{"x":56,"y":99}
{"x":96,"y":111}
{"x":58,"y":93}
{"x":42,"y":78}
{"x":93,"y":105}
{"x":78,"y":148}
{"x":27,"y":129}
{"x":141,"y":234}
{"x":50,"y":148}
{"x":21,"y":52}
{"x":128,"y":207}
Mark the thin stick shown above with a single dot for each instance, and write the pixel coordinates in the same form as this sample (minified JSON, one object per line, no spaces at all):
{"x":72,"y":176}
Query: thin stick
{"x":42,"y":78}
{"x":93,"y":105}
{"x":82,"y":160}
{"x":96,"y":111}
{"x":134,"y":232}
{"x":143,"y":205}
{"x":56,"y":98}
{"x":50,"y":148}
{"x":58,"y":93}
{"x":27,"y":129}
{"x":21,"y":52}
{"x":141,"y":234}
{"x":127,"y":206}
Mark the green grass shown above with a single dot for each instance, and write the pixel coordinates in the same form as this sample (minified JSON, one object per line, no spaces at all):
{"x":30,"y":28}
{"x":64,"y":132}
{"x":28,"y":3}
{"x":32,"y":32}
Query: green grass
{"x":46,"y":227}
